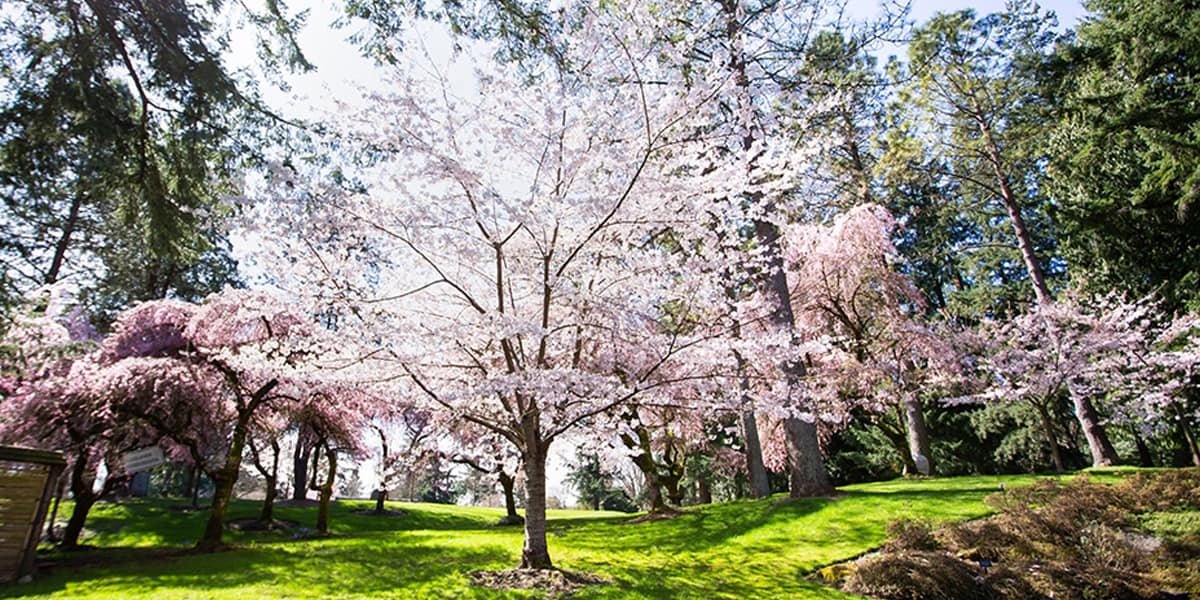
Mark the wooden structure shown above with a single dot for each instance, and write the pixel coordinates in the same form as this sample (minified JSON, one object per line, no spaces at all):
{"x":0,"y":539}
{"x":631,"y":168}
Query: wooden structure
{"x":27,"y":479}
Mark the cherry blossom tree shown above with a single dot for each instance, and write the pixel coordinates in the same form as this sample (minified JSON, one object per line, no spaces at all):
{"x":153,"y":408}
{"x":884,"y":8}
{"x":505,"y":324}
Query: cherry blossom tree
{"x":407,"y":436}
{"x":750,"y":174}
{"x":335,"y":413}
{"x":1148,"y":377}
{"x":48,"y":362}
{"x":199,"y":374}
{"x":1088,"y":349}
{"x":490,"y":454}
{"x":504,"y":256}
{"x":884,"y":355}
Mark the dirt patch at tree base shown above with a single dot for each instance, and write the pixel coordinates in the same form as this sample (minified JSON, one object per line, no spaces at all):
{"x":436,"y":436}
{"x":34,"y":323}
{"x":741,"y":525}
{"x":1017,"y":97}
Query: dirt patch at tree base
{"x":506,"y":520}
{"x":257,"y":525}
{"x":387,"y":512}
{"x":661,"y":515}
{"x":187,"y":508}
{"x":297,"y":503}
{"x":556,"y":583}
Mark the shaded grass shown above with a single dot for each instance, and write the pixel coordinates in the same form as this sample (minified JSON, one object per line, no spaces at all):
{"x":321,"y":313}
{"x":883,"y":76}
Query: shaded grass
{"x":759,"y":549}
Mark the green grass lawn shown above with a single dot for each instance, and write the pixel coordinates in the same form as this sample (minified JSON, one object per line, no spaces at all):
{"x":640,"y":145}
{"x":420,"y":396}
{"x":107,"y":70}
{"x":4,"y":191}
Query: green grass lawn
{"x":748,"y":549}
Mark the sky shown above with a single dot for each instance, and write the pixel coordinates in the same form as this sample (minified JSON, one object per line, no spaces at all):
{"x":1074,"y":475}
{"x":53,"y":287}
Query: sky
{"x":340,"y":73}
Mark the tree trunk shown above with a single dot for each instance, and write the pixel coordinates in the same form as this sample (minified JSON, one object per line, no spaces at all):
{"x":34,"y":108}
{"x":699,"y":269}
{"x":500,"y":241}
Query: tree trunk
{"x":1103,"y":454}
{"x":1024,"y":241}
{"x":326,"y":492}
{"x":672,"y":475}
{"x":510,"y":501}
{"x":223,"y":481}
{"x":535,"y":554}
{"x":900,"y":444}
{"x":703,"y":489}
{"x":74,"y":528}
{"x":380,"y":498}
{"x":1189,"y":438}
{"x":1051,"y":438}
{"x":81,"y":492}
{"x":300,"y":469}
{"x":674,"y":492}
{"x":1145,"y":458}
{"x":58,"y":494}
{"x":271,"y":477}
{"x":644,"y":461}
{"x":654,"y":497}
{"x":808,"y":476}
{"x":918,"y":436}
{"x":64,"y":240}
{"x":760,"y":484}
{"x":196,"y":488}
{"x":268,"y":508}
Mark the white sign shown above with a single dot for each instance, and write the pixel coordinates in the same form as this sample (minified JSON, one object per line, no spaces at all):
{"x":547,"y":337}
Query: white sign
{"x":141,"y":460}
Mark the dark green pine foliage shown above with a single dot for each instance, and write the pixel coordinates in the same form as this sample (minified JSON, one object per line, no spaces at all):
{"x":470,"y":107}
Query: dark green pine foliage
{"x":1128,"y":143}
{"x":964,"y":160}
{"x":120,"y":131}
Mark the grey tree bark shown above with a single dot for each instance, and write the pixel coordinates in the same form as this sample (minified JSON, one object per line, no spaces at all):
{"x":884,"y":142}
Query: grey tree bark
{"x":918,"y":436}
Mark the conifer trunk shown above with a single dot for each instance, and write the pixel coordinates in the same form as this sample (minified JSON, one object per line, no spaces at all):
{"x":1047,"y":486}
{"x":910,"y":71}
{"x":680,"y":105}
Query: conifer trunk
{"x":918,"y":436}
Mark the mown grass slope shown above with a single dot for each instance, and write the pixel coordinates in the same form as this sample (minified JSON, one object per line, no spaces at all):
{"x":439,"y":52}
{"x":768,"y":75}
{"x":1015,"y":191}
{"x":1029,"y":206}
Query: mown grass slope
{"x":748,"y":549}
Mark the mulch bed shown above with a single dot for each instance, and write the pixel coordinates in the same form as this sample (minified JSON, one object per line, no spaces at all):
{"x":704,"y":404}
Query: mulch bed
{"x":253,"y":524}
{"x":297,"y":503}
{"x":556,"y":583}
{"x":651,"y":517}
{"x":387,"y":512}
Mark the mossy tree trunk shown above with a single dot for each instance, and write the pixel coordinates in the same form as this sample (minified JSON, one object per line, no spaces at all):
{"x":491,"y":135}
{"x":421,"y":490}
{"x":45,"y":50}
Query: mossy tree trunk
{"x":226,"y":477}
{"x":325,"y":489}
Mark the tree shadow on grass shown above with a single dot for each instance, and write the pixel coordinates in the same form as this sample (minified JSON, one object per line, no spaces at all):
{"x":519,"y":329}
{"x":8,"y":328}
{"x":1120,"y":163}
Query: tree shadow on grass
{"x":418,"y":566}
{"x":694,"y":530}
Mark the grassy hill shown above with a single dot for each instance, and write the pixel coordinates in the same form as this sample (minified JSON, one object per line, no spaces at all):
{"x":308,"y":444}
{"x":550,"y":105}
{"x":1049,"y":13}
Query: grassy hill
{"x":747,"y":549}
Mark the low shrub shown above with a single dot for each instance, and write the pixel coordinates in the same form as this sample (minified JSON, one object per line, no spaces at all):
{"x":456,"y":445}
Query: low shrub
{"x":1079,"y":540}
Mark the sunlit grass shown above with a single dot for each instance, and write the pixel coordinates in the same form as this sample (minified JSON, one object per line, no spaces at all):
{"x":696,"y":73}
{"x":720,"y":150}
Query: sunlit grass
{"x":747,"y":549}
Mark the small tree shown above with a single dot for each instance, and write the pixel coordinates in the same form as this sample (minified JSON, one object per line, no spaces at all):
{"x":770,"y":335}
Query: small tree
{"x":224,"y":359}
{"x":884,"y":356}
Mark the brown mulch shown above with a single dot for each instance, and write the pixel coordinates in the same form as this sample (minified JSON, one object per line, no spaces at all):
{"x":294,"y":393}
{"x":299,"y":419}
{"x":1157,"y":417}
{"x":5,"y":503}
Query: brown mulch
{"x":556,"y":583}
{"x":387,"y":512}
{"x":297,"y":503}
{"x":661,"y":515}
{"x":253,"y":524}
{"x":1076,"y":540}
